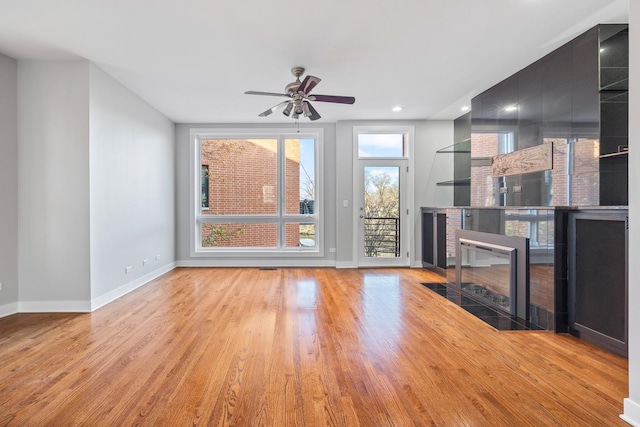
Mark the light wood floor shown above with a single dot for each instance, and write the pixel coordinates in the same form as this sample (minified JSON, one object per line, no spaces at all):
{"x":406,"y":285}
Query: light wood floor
{"x":299,"y":347}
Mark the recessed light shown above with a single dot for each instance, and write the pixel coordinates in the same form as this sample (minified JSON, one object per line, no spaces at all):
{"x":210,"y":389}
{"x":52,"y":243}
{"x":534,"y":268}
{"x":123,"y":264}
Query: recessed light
{"x":510,"y":108}
{"x":396,"y":108}
{"x":465,"y":108}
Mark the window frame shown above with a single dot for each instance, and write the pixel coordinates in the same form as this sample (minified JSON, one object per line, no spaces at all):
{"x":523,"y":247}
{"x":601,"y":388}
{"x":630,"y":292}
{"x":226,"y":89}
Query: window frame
{"x":281,"y":217}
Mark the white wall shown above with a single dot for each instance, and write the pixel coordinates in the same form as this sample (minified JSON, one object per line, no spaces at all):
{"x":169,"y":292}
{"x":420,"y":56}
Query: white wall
{"x":183,"y":177}
{"x":429,"y":168}
{"x":132,"y":180}
{"x":8,"y":185}
{"x":53,"y":161}
{"x":632,"y":404}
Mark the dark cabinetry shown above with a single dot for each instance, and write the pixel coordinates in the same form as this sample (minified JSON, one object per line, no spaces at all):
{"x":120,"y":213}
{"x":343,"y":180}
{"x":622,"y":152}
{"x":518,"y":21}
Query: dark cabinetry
{"x":575,"y":98}
{"x":598,"y":278}
{"x":614,"y":114}
{"x":439,"y":227}
{"x":434,"y":240}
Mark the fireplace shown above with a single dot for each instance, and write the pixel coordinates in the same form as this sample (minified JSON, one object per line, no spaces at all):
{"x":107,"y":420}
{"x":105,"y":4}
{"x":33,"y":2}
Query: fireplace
{"x":494,"y":269}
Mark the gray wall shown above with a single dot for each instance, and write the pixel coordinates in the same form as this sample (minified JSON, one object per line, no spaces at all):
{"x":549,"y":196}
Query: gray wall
{"x":132,"y":176}
{"x":93,"y":173}
{"x":8,"y":184}
{"x":328,"y":176}
{"x":53,"y":161}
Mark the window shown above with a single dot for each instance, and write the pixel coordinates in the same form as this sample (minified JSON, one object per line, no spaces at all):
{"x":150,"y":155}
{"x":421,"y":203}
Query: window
{"x":536,"y":225}
{"x":258,"y":192}
{"x":381,"y":145}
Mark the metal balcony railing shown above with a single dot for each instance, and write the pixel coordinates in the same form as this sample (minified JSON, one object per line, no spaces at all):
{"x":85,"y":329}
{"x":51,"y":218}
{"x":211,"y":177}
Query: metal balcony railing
{"x":382,"y":237}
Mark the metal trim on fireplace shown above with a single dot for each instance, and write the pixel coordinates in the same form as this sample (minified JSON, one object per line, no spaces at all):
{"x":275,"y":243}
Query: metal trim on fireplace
{"x":502,"y":252}
{"x":516,"y":249}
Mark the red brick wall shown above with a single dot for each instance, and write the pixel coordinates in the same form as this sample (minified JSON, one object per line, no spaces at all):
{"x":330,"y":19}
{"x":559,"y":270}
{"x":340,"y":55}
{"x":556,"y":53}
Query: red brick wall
{"x":585,"y":181}
{"x":483,"y":145}
{"x":559,"y":177}
{"x":576,"y":187}
{"x":243,"y":181}
{"x":582,"y":181}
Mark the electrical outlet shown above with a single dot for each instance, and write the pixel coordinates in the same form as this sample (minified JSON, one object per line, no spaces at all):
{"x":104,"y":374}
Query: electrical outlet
{"x":0,"y":286}
{"x":158,"y":257}
{"x":128,"y":269}
{"x":145,"y":261}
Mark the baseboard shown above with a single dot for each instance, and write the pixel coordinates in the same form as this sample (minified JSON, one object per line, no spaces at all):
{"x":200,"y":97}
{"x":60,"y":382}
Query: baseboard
{"x":256,"y":263}
{"x":345,"y":264}
{"x":631,"y":412}
{"x":8,"y":309}
{"x":54,"y":307}
{"x":113,"y":295}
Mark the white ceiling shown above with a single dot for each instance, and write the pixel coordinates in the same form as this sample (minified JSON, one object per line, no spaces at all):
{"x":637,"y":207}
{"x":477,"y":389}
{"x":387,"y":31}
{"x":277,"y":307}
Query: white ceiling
{"x":194,"y":59}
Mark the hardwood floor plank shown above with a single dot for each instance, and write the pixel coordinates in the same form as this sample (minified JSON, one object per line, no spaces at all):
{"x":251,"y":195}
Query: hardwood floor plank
{"x":297,"y":347}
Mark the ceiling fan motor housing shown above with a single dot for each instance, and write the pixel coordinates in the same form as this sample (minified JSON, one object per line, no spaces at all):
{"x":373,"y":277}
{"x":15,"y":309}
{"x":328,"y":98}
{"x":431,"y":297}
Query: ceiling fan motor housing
{"x":292,"y":88}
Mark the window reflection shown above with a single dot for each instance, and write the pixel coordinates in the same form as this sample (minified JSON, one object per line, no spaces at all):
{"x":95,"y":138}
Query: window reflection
{"x":381,"y":304}
{"x":307,"y":293}
{"x":573,"y":181}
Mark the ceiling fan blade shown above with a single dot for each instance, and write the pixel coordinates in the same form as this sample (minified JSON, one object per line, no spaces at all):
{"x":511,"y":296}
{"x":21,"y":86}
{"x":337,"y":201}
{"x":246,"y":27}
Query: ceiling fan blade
{"x":253,"y":92}
{"x":333,"y":98}
{"x":272,"y":109}
{"x":314,"y":114}
{"x":308,"y":84}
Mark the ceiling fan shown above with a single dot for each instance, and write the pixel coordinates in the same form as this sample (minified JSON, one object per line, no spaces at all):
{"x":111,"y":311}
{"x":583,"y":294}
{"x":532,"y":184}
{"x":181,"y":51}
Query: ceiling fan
{"x":299,"y":96}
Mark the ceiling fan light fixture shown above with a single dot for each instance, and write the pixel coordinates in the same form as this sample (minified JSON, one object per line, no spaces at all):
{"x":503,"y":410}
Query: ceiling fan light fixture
{"x":287,"y":110}
{"x":305,"y":109}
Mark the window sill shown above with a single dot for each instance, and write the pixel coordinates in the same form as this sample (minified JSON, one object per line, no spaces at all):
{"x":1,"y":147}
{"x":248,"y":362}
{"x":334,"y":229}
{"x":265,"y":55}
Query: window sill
{"x":258,"y":253}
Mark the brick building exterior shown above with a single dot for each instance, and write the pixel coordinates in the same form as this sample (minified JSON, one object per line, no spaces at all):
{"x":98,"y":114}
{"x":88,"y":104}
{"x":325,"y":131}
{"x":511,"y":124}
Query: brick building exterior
{"x":240,"y":177}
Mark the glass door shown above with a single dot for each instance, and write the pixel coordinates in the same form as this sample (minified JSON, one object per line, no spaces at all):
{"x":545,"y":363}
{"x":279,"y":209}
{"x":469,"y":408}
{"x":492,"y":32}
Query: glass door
{"x":382,"y":213}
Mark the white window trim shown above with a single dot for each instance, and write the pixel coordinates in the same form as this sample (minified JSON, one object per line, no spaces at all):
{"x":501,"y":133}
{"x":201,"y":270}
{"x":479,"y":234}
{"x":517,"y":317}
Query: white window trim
{"x":196,"y":134}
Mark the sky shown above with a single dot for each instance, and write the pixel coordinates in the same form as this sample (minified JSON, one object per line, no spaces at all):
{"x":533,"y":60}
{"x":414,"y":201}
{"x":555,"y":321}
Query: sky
{"x":380,"y":145}
{"x":307,"y":162}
